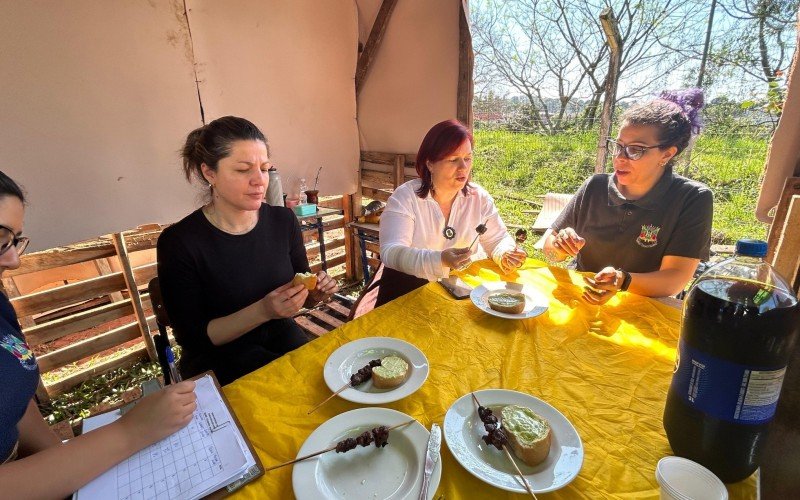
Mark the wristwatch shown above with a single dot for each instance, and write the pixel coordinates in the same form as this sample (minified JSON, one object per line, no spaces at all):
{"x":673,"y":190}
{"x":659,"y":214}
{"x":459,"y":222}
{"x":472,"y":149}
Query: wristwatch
{"x":626,"y":280}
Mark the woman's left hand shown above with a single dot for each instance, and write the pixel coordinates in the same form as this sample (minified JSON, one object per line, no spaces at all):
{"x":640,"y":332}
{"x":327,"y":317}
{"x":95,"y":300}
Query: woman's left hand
{"x":603,"y":286}
{"x":513,"y":259}
{"x":326,"y":286}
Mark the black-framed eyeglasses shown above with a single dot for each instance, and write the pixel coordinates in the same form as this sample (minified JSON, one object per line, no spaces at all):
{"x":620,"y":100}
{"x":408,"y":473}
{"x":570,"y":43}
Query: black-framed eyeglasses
{"x":9,"y":239}
{"x":630,"y":152}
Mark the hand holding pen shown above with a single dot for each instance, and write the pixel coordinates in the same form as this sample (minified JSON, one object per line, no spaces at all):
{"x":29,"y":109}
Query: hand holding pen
{"x":173,"y":370}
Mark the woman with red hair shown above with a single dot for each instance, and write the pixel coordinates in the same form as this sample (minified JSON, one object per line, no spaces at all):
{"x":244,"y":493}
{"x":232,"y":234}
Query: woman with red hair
{"x":430,"y":222}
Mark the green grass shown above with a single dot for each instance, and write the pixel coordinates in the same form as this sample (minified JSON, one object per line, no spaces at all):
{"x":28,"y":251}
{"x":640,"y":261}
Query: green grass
{"x":522,"y":165}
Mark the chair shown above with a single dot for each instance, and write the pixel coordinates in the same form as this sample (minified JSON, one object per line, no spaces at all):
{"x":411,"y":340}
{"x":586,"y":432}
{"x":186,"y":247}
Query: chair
{"x":552,"y":206}
{"x":161,"y":340}
{"x":366,"y":301}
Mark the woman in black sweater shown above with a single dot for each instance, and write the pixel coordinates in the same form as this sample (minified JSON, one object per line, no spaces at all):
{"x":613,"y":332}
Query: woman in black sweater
{"x":226,"y":269}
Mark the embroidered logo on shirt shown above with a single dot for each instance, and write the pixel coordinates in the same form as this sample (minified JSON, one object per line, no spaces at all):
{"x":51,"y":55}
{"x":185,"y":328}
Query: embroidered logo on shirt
{"x":648,"y":238}
{"x":19,"y":350}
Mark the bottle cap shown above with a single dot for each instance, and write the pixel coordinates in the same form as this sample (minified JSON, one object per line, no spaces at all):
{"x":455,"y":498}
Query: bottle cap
{"x":751,"y":248}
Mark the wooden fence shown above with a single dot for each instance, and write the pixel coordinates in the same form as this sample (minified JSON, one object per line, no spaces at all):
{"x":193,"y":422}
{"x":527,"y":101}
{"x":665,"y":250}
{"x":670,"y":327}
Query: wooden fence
{"x":379,"y":175}
{"x":80,"y":303}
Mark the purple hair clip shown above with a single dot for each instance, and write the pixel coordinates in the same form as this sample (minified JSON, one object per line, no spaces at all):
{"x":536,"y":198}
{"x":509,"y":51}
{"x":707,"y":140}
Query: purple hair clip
{"x":691,"y":101}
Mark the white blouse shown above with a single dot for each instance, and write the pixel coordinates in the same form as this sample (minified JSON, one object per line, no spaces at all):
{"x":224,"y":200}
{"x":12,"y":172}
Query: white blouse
{"x":411,"y":233}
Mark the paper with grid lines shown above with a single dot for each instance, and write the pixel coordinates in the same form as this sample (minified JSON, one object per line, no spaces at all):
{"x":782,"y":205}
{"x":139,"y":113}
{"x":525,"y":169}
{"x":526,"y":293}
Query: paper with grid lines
{"x":199,"y":459}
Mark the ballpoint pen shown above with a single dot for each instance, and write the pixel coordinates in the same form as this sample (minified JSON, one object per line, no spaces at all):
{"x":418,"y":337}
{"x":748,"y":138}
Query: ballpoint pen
{"x":173,"y":370}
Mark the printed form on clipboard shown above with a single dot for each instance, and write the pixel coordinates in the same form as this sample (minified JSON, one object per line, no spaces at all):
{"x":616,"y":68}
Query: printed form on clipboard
{"x":205,"y":456}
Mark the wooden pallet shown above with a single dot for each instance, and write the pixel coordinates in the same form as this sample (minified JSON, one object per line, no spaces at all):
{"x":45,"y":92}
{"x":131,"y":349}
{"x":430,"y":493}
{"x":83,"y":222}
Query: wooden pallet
{"x":325,"y":317}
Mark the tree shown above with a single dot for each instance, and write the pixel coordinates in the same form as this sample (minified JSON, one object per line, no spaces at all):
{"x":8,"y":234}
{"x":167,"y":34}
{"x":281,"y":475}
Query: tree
{"x":759,"y":43}
{"x":554,"y":53}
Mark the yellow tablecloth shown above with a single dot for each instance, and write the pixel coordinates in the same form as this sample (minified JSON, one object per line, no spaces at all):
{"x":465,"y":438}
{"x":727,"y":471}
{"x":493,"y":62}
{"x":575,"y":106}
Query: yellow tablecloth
{"x":611,"y":383}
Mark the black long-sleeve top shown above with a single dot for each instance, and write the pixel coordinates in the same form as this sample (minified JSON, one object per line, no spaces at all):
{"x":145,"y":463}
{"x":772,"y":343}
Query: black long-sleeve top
{"x":206,"y":273}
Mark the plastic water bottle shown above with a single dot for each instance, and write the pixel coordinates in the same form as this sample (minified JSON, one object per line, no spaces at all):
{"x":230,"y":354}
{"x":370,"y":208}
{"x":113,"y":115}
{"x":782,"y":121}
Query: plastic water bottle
{"x":275,"y":188}
{"x":740,"y":324}
{"x":303,"y":189}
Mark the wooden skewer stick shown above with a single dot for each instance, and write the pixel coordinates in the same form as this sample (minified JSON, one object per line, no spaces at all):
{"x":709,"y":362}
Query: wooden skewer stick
{"x":326,"y":450}
{"x":521,"y":476}
{"x":477,"y":236}
{"x":312,"y":410}
{"x":513,"y":462}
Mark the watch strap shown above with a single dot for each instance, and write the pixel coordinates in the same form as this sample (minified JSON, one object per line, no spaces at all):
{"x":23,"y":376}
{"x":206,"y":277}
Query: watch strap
{"x":626,"y":280}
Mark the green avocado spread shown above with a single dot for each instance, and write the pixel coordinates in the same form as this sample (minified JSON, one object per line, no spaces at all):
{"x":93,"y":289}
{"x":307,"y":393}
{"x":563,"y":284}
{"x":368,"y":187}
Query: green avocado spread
{"x":506,"y":299}
{"x":524,"y":423}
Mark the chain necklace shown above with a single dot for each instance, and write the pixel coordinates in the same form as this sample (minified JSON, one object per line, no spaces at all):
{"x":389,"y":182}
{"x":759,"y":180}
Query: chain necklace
{"x":449,"y":232}
{"x":212,"y":218}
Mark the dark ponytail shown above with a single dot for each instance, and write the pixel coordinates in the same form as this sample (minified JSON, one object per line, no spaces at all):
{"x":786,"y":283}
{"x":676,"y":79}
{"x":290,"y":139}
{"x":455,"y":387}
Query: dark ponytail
{"x":10,"y":188}
{"x":212,"y":142}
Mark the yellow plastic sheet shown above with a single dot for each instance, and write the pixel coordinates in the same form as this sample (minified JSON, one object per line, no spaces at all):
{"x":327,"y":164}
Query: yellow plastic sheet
{"x":607,"y":369}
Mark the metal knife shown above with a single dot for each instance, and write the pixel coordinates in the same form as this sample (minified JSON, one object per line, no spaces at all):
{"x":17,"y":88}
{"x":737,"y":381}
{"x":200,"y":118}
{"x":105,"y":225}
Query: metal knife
{"x":431,"y":457}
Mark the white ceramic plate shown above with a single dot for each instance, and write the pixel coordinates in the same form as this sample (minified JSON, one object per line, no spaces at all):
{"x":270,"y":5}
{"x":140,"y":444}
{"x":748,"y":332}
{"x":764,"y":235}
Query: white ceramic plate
{"x":535,"y":302}
{"x":463,"y":430}
{"x":392,"y":472}
{"x":352,"y":356}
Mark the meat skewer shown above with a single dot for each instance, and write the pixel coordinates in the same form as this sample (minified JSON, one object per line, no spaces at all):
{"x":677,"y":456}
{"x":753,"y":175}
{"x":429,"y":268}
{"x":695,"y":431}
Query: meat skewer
{"x":377,"y":435}
{"x":356,"y":379}
{"x":480,"y":229}
{"x":497,"y":437}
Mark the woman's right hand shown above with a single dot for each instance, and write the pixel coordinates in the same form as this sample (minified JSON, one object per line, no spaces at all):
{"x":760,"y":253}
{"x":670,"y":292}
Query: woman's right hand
{"x":160,"y":414}
{"x":567,"y":241}
{"x":454,"y":258}
{"x":285,"y":301}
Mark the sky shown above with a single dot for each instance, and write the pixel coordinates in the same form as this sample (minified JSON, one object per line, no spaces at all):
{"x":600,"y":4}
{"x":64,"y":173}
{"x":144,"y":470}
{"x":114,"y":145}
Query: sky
{"x":694,"y":17}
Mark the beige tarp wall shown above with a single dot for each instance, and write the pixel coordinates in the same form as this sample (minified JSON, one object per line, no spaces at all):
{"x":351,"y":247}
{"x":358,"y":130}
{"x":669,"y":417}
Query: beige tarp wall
{"x":413,"y":82}
{"x":97,"y":98}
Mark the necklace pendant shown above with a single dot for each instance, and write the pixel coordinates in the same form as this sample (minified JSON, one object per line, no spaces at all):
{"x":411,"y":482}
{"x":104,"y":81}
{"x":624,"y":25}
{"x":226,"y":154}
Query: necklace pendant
{"x":449,"y":232}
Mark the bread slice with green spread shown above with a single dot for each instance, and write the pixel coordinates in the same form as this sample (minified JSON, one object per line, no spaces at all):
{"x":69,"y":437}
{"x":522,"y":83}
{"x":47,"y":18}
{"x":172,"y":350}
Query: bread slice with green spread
{"x":391,"y":373}
{"x":528,"y":433}
{"x":507,"y":301}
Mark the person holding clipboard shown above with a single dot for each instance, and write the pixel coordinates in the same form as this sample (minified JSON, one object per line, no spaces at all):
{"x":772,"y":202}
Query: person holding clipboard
{"x":34,"y":463}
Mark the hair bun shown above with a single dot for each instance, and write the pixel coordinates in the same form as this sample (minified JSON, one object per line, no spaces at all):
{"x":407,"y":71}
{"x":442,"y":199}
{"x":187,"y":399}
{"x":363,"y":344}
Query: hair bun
{"x":690,"y":101}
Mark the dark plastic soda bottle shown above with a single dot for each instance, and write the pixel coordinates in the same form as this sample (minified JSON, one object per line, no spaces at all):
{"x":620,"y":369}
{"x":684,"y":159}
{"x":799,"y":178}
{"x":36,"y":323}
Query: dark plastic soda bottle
{"x":740,"y":323}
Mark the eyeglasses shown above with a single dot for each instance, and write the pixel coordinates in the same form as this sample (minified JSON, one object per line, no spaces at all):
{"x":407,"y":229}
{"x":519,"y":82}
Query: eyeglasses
{"x":9,"y":239}
{"x":630,"y":152}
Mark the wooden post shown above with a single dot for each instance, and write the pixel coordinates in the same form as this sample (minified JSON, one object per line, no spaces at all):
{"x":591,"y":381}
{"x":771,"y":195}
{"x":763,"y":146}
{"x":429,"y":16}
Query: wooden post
{"x":614,"y":41}
{"x":787,"y":252}
{"x":350,"y":257}
{"x":104,"y":268}
{"x":373,"y":42}
{"x":136,"y":299}
{"x":790,"y":188}
{"x":399,"y":170}
{"x":356,"y":197}
{"x":466,"y":62}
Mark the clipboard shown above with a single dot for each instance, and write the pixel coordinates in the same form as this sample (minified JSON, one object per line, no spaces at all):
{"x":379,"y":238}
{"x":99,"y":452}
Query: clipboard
{"x":255,"y":471}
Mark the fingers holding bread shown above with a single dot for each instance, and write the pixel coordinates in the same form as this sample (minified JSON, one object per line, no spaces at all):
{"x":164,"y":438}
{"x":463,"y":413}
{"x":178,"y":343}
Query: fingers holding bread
{"x":309,"y":280}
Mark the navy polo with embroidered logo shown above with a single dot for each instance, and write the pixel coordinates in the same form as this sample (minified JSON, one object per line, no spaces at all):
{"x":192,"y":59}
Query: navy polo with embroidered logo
{"x":673,"y":218}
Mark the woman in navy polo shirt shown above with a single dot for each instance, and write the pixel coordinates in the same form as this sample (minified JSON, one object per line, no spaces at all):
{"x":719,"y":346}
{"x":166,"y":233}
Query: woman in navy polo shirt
{"x":33,"y":461}
{"x":641,"y":228}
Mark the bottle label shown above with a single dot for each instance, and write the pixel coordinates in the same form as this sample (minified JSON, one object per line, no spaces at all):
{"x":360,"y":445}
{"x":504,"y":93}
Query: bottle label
{"x":725,"y":390}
